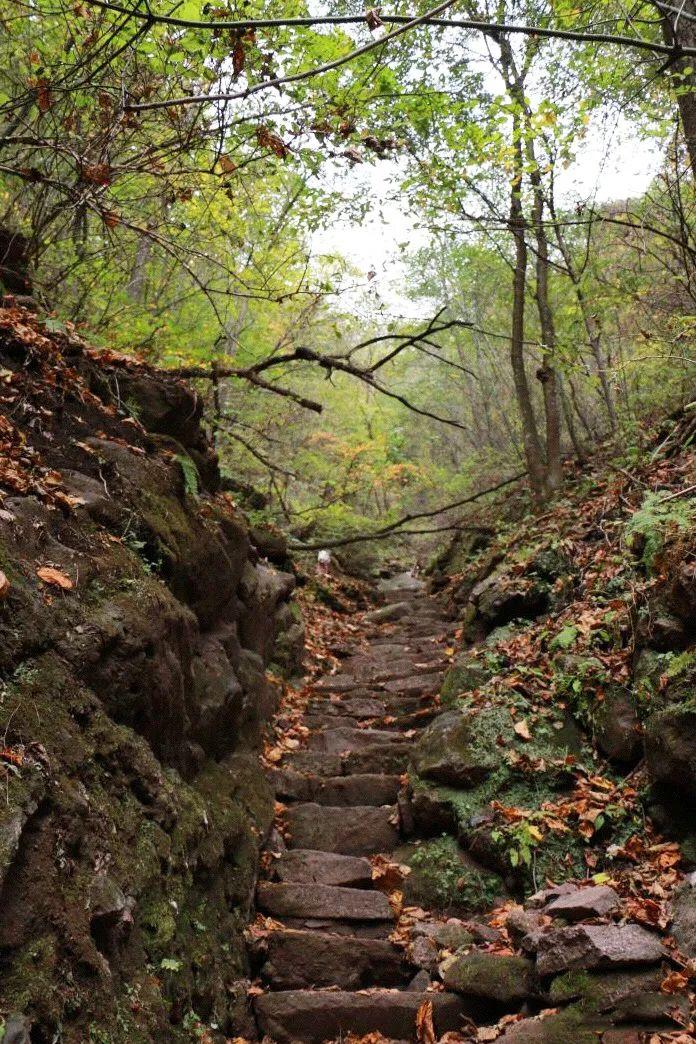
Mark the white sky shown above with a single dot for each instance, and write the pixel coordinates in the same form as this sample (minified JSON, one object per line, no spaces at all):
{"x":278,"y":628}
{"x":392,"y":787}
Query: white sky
{"x":612,"y":164}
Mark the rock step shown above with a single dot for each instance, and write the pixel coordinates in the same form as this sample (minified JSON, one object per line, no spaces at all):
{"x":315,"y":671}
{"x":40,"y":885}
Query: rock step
{"x":359,"y":830}
{"x":392,"y":759}
{"x":358,"y":789}
{"x":370,"y":672}
{"x":315,"y":1016}
{"x":340,"y":740}
{"x":415,"y":686}
{"x":307,"y":866}
{"x":296,"y":960}
{"x":357,"y":707}
{"x":323,"y":901}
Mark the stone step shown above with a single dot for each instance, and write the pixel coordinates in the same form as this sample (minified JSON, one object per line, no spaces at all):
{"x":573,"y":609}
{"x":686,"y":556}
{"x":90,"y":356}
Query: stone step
{"x":339,"y":740}
{"x":340,"y":683}
{"x":314,"y":763}
{"x":360,"y":707}
{"x":297,"y":959}
{"x":416,"y":686}
{"x":315,"y":1016}
{"x":391,"y":759}
{"x":318,"y":721}
{"x":323,"y":901}
{"x":352,"y":929}
{"x":361,"y":830}
{"x":308,"y":866}
{"x":358,"y":789}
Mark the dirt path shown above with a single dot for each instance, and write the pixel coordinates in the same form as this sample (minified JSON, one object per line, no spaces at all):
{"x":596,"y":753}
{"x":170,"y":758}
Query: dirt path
{"x":331,"y":968}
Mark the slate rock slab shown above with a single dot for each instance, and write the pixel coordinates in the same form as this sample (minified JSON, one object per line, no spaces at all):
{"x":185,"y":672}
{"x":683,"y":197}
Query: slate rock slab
{"x":362,"y":830}
{"x":358,"y":789}
{"x":297,"y":960}
{"x":305,"y":866}
{"x":596,"y":946}
{"x":339,"y":740}
{"x":323,"y":901}
{"x":312,"y":1016}
{"x":585,"y":902}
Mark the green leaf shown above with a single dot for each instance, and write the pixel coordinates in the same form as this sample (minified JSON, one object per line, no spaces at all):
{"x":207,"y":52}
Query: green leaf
{"x":170,"y":964}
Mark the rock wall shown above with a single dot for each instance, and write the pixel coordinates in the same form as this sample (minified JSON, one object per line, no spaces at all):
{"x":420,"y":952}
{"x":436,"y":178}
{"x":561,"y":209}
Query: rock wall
{"x":137,"y":623}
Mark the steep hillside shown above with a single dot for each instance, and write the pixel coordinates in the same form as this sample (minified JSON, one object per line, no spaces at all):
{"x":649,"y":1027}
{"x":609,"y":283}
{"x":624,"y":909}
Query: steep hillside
{"x":137,"y":623}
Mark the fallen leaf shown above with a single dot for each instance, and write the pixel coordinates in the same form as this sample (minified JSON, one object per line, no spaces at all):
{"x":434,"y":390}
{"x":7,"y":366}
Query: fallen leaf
{"x":425,"y":1031}
{"x":55,"y":578}
{"x":4,"y":586}
{"x":522,"y":729}
{"x":674,"y":982}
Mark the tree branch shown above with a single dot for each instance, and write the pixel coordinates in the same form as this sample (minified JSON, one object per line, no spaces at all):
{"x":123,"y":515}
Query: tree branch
{"x":380,"y":534}
{"x":580,"y":36}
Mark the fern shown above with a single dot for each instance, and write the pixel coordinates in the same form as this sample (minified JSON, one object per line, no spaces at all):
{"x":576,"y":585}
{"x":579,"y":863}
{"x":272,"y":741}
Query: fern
{"x":190,"y":473}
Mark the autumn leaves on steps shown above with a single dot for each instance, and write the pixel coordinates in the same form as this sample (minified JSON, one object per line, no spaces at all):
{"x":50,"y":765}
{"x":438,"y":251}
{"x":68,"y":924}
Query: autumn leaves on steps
{"x":330,"y":902}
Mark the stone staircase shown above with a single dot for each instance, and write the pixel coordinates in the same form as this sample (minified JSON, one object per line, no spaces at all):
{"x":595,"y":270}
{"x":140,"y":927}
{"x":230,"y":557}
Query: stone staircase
{"x":332,"y":970}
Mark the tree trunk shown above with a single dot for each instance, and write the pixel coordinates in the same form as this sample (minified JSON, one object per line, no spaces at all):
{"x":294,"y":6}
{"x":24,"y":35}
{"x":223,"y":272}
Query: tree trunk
{"x":547,"y":373}
{"x":532,"y":445}
{"x":680,"y":30}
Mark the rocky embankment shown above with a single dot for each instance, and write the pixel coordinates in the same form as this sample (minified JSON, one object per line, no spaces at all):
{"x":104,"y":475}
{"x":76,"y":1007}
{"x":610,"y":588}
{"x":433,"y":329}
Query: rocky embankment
{"x":137,"y":623}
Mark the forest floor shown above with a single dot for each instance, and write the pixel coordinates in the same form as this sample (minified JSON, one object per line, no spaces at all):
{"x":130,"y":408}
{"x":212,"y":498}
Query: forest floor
{"x":346,"y":945}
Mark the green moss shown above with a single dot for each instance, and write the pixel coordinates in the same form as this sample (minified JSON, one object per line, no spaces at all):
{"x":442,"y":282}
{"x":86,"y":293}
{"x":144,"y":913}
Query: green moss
{"x":441,"y":878}
{"x":30,"y":981}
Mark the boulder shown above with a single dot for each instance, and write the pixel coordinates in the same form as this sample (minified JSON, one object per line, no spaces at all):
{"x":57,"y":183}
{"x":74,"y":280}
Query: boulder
{"x":448,"y":752}
{"x":503,"y":980}
{"x":596,"y":946}
{"x":572,"y":1026}
{"x":424,"y":953}
{"x":525,"y":927}
{"x":503,"y":597}
{"x":449,"y":935}
{"x":584,"y":903}
{"x":670,"y":749}
{"x":465,"y":674}
{"x":683,"y":911}
{"x":617,"y":726}
{"x":603,"y":989}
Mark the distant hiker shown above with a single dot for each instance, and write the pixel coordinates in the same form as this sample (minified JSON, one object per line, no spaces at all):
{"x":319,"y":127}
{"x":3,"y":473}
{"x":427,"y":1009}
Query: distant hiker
{"x":324,"y":562}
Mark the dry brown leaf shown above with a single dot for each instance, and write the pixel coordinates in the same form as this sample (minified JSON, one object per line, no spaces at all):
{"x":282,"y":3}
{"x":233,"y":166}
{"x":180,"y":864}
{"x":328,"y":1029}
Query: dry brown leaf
{"x":54,"y":578}
{"x":425,"y":1031}
{"x":4,"y":586}
{"x":675,"y":982}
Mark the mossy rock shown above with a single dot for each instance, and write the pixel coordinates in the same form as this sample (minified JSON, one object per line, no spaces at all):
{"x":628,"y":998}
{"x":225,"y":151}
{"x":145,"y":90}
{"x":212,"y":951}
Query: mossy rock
{"x":466,"y":673}
{"x":506,"y":981}
{"x":444,"y":878}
